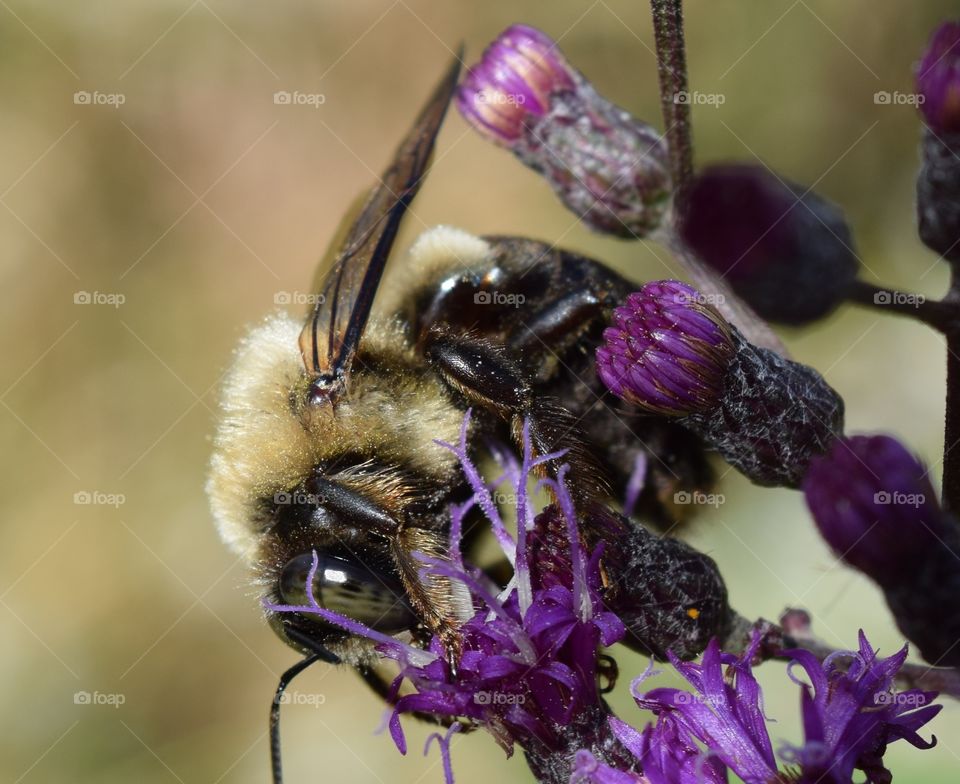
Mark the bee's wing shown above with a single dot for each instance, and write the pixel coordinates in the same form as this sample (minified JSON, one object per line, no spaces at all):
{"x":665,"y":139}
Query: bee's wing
{"x":332,"y":332}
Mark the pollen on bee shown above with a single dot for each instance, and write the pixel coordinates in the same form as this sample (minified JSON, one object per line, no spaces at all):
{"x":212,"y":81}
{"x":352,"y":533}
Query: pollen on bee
{"x":694,"y":613}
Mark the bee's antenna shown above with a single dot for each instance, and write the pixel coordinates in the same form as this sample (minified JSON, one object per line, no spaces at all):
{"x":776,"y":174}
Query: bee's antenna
{"x":319,"y":654}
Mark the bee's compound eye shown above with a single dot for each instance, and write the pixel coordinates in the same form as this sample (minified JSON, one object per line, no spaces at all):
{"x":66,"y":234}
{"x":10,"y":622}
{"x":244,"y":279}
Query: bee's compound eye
{"x":349,"y":588}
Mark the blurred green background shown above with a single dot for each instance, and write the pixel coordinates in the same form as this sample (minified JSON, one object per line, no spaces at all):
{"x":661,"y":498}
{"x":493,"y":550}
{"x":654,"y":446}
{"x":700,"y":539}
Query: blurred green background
{"x":198,"y":199}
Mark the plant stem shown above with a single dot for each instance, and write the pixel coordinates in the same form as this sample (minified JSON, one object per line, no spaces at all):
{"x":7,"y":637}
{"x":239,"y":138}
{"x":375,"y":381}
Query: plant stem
{"x":942,"y":315}
{"x":672,"y":68}
{"x":951,"y":429}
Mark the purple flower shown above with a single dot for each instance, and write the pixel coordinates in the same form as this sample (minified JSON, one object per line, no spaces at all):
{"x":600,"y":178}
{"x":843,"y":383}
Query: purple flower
{"x":606,"y":166}
{"x":875,"y":506}
{"x":938,"y":79}
{"x":667,"y":351}
{"x":784,"y":249}
{"x":850,"y":714}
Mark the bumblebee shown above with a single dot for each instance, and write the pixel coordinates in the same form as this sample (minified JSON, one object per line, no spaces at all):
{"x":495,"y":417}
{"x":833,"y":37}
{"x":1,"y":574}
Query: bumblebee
{"x":327,"y":437}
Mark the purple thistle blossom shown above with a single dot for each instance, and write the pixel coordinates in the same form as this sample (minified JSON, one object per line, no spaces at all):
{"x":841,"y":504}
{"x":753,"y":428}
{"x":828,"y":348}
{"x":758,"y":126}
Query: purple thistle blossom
{"x":850,"y":715}
{"x":671,"y":352}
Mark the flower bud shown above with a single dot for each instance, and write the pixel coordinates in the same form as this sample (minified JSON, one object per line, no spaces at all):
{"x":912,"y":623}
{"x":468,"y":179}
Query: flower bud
{"x":877,"y":510}
{"x":784,"y":249}
{"x":938,"y":80}
{"x":938,"y":182}
{"x":605,"y":165}
{"x":671,"y":353}
{"x":874,"y":506}
{"x":668,"y":350}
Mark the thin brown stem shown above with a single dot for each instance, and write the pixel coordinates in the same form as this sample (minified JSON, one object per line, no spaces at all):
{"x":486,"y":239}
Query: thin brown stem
{"x":672,"y":68}
{"x":951,"y":429}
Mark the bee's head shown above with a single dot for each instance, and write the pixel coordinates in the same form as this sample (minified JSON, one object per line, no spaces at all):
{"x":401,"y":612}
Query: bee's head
{"x":354,"y":539}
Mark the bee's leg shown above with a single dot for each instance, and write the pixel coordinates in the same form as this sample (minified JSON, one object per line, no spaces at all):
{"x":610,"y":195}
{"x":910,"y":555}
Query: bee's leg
{"x":485,"y":375}
{"x":382,"y":688}
{"x":548,"y":308}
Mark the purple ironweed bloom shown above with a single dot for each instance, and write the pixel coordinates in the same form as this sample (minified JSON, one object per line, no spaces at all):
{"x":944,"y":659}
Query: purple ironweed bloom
{"x":528,"y":664}
{"x":850,"y":714}
{"x":605,"y":165}
{"x":938,"y":79}
{"x":668,"y":350}
{"x":875,"y":506}
{"x":785,"y":250}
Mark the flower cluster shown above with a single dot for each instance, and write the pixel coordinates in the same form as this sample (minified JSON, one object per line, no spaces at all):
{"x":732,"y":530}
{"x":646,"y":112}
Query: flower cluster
{"x":529,"y":671}
{"x":851,"y":712}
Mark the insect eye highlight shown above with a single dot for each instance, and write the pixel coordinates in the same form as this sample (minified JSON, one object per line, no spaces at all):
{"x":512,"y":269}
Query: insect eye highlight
{"x":345,"y":586}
